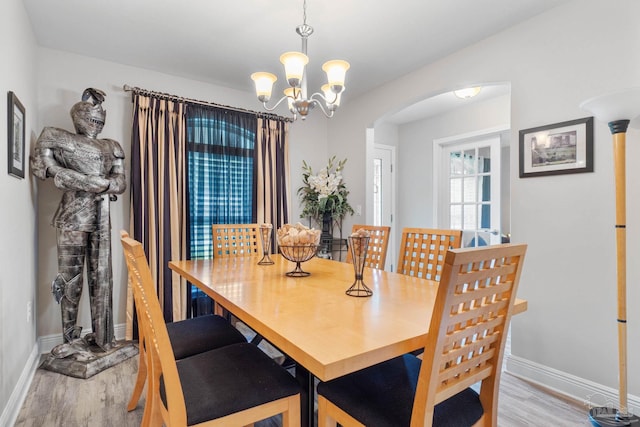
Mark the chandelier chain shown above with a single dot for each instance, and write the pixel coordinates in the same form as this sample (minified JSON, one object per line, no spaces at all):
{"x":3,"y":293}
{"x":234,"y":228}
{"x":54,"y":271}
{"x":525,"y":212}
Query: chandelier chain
{"x":304,"y":12}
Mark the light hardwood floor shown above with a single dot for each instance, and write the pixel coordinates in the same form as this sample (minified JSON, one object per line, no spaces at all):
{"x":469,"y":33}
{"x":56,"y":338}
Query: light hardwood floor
{"x":57,"y":400}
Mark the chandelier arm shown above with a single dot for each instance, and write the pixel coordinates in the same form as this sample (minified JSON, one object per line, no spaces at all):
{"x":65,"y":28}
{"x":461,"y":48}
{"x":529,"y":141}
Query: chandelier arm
{"x":318,"y":95}
{"x":319,"y":104}
{"x":324,"y":98}
{"x":264,"y":104}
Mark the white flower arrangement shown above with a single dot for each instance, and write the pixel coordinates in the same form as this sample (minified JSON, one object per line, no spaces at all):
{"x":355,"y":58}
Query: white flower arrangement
{"x":325,"y":183}
{"x":325,"y":192}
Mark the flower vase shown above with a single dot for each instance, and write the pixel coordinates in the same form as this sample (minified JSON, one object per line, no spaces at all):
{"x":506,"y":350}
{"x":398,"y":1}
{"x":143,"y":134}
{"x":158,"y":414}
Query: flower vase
{"x":358,"y":246}
{"x":327,"y":233}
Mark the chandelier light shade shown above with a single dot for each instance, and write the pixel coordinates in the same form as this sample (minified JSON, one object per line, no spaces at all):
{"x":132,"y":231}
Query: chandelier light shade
{"x":336,"y":72}
{"x":618,"y":110}
{"x":264,"y":85}
{"x":290,"y":94}
{"x":295,"y":64}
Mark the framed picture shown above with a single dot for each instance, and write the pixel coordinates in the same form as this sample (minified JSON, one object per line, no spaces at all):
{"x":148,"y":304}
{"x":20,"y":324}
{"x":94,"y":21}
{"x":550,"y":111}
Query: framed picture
{"x":15,"y":142}
{"x":556,"y":149}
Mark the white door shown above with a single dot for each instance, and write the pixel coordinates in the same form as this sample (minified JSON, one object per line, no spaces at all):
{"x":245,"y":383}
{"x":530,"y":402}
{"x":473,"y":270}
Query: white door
{"x":382,"y":192}
{"x":469,"y":196}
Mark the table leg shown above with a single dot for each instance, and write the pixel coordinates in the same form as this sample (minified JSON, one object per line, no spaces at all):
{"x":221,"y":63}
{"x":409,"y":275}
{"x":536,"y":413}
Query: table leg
{"x":307,"y":403}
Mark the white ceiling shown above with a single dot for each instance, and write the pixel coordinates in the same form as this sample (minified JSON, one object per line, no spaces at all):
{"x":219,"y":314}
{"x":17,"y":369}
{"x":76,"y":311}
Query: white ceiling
{"x":224,"y":41}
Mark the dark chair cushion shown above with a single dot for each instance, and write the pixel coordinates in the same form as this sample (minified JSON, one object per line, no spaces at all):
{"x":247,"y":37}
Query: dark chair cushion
{"x":200,"y":334}
{"x":382,"y":396}
{"x":230,"y":379}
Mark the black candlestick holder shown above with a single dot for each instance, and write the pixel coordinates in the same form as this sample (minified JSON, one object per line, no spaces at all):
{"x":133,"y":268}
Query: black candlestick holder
{"x":358,"y":246}
{"x":266,"y":230}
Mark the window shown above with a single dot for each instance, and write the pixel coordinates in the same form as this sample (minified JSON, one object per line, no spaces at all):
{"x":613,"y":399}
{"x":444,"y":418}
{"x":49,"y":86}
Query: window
{"x":221,"y":182}
{"x":220,"y":155}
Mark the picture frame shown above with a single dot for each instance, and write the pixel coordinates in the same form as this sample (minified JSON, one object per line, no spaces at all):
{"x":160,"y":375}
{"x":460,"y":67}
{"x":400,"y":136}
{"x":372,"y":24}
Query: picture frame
{"x":16,"y":135}
{"x":556,"y":149}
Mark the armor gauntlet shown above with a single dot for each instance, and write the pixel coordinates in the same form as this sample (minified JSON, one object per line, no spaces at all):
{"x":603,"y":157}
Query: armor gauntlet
{"x":41,"y":162}
{"x":117,"y":180}
{"x":67,"y":179}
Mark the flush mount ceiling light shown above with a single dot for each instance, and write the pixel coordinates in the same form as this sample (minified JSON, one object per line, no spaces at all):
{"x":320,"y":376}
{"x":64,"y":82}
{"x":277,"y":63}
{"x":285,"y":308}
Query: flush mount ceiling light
{"x":468,"y":92}
{"x":295,"y":71}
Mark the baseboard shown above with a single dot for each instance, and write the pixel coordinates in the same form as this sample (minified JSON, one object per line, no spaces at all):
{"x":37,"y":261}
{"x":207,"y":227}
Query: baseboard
{"x":12,"y":410}
{"x":47,"y":342}
{"x":589,"y":392}
{"x":43,"y":345}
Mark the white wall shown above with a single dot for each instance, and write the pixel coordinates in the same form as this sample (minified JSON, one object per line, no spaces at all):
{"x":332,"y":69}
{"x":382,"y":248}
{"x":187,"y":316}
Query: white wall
{"x":553,"y":62}
{"x":17,"y":215}
{"x":415,"y":154}
{"x":62,"y":78}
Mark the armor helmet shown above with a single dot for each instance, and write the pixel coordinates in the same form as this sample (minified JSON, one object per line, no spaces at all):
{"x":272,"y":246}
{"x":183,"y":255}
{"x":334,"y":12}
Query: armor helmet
{"x":88,"y":116}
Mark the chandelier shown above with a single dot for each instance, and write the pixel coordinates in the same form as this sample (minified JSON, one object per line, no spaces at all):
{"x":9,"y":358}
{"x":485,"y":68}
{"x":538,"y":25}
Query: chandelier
{"x":295,"y":70}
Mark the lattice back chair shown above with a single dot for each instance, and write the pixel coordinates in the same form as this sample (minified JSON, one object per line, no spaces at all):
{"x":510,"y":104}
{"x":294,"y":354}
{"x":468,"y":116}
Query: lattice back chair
{"x":221,"y":387}
{"x":238,"y":240}
{"x":188,"y":337}
{"x":423,"y":250}
{"x":378,"y":243}
{"x":235,"y":240}
{"x":464,"y":346}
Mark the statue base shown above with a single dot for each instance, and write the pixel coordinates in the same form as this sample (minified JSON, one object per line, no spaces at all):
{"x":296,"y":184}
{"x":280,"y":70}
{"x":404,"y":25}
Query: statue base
{"x":83,"y":366}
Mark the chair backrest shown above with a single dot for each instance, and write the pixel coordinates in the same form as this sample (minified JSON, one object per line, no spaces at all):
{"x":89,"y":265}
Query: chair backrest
{"x":133,"y":248}
{"x":422,"y":251}
{"x":468,"y":328}
{"x":235,"y":240}
{"x":159,"y":353}
{"x":378,"y":243}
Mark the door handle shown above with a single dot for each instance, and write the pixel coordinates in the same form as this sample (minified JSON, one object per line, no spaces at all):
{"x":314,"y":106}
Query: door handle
{"x":490,"y":231}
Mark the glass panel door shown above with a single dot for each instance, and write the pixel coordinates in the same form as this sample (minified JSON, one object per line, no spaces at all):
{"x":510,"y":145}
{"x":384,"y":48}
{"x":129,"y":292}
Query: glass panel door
{"x":472,"y":177}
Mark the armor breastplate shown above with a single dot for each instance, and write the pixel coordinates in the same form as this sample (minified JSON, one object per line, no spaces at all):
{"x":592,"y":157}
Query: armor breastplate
{"x":90,"y":157}
{"x":80,"y":210}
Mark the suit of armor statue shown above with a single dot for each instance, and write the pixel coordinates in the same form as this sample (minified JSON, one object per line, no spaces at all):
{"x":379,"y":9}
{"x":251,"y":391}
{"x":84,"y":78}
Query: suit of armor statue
{"x":90,"y":171}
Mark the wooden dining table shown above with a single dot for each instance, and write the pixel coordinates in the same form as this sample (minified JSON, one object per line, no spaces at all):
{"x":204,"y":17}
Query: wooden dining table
{"x":311,"y":319}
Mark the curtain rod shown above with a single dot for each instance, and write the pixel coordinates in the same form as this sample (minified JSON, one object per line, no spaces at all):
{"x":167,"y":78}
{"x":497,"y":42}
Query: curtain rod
{"x":170,"y":97}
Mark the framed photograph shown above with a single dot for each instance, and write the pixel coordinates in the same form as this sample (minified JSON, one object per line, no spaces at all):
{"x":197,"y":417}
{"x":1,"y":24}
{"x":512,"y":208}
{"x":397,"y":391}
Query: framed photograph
{"x":556,"y":149}
{"x":15,"y":142}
